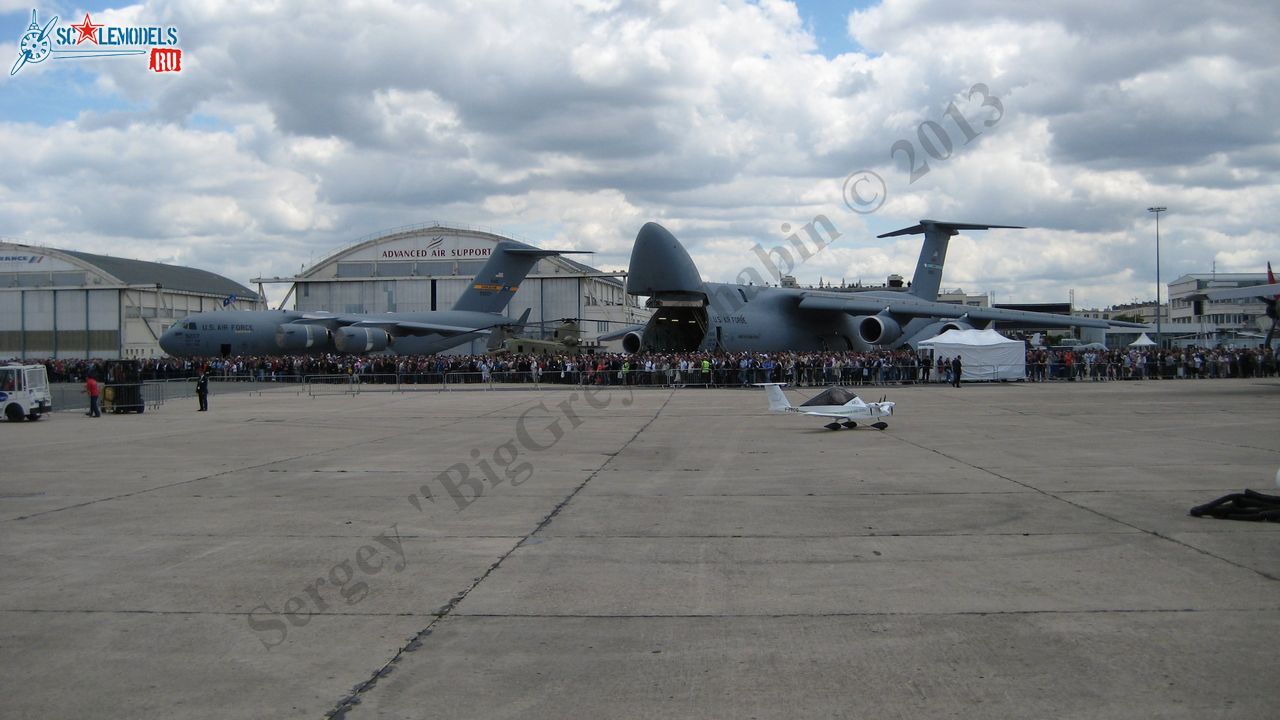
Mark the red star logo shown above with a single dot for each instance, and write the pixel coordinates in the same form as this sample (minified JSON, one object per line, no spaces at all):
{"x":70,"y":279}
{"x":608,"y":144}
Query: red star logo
{"x":87,"y":30}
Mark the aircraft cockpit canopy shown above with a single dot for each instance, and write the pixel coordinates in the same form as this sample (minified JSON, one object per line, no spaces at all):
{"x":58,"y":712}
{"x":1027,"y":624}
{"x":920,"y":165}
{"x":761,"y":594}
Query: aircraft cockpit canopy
{"x":831,"y":396}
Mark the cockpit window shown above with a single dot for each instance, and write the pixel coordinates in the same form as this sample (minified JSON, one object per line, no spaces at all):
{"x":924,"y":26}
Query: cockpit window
{"x":831,"y":396}
{"x":189,"y":326}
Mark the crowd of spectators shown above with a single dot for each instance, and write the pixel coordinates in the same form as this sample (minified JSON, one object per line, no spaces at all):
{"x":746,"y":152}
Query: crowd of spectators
{"x":700,"y":369}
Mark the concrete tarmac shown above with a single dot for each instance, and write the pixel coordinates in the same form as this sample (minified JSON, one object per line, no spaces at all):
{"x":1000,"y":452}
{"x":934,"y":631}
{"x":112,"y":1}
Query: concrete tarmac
{"x":1002,"y":551}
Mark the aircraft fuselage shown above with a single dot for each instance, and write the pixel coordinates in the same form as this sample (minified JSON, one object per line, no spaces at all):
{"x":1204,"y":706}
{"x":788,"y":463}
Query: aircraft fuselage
{"x":253,"y":332}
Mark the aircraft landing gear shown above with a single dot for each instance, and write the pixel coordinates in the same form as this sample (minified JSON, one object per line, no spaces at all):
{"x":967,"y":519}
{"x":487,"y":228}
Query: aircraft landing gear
{"x":850,"y":424}
{"x":880,"y":425}
{"x":832,"y":426}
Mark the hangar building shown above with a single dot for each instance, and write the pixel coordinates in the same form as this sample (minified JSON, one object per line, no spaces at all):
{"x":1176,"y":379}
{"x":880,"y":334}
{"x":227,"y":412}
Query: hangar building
{"x":427,"y":267}
{"x":69,"y":304}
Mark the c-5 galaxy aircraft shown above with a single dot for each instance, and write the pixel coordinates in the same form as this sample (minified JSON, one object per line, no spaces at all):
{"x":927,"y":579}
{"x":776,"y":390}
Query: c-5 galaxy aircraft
{"x":271,"y":332}
{"x":696,"y":315}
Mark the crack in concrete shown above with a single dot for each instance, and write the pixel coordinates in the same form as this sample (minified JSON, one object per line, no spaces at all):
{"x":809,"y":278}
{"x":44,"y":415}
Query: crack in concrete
{"x":1099,"y":513}
{"x":345,"y":704}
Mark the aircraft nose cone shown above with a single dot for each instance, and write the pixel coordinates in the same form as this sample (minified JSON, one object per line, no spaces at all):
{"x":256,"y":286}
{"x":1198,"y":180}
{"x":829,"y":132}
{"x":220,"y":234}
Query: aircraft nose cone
{"x":659,"y":263}
{"x":167,"y":341}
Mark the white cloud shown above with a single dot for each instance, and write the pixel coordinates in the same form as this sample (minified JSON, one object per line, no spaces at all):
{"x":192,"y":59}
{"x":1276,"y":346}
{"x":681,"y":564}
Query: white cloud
{"x":292,"y":130}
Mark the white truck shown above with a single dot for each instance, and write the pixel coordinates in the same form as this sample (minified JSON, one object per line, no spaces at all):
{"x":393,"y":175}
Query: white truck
{"x":24,"y":392}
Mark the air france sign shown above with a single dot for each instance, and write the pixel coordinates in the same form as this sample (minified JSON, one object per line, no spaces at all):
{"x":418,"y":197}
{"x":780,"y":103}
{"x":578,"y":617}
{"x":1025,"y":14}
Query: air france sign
{"x":21,"y":259}
{"x":98,"y":40}
{"x":11,"y":261}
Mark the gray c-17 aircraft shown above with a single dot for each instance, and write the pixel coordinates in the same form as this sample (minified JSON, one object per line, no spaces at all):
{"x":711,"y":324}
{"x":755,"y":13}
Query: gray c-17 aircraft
{"x":272,"y":332}
{"x":696,"y":315}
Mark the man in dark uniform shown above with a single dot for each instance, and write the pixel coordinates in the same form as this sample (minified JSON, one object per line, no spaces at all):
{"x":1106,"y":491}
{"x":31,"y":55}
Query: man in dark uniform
{"x":202,"y":391}
{"x":955,"y":370}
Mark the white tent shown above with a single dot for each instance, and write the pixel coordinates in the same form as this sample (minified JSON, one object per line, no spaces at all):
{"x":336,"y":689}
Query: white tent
{"x":984,"y":354}
{"x":1142,"y":341}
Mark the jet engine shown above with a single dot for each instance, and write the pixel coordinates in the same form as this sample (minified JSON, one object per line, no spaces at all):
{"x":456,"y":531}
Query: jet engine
{"x":878,"y":329}
{"x":301,"y":336}
{"x":631,"y":342}
{"x":357,"y":340}
{"x":955,"y":325}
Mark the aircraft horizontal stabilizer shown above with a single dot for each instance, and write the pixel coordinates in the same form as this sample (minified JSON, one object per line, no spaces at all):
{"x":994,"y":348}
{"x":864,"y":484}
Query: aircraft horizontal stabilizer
{"x":1262,"y":291}
{"x":925,"y":224}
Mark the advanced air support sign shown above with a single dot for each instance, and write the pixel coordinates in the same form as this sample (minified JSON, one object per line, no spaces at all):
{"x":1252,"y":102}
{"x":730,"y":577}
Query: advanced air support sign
{"x":88,"y":39}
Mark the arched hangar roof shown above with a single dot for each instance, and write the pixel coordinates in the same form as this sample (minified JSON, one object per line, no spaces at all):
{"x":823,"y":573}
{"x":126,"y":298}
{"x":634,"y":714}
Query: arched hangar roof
{"x":124,"y":271}
{"x":430,"y":243}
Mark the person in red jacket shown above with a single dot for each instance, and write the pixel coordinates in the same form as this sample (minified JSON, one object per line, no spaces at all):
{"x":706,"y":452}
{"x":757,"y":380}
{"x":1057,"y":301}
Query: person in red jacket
{"x":93,"y":391}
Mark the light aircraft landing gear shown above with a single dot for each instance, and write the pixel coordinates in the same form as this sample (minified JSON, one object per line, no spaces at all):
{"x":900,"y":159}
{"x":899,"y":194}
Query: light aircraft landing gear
{"x":850,"y":424}
{"x":880,"y":425}
{"x":832,"y":426}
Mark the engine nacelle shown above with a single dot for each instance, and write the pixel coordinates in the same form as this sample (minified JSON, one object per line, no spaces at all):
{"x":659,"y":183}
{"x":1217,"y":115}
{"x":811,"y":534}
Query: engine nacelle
{"x":878,"y":329}
{"x":631,"y":342}
{"x":955,"y":325}
{"x":301,"y":336}
{"x":357,"y":340}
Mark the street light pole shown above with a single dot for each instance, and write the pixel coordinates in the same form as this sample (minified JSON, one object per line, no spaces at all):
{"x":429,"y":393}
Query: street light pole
{"x":1157,"y":211}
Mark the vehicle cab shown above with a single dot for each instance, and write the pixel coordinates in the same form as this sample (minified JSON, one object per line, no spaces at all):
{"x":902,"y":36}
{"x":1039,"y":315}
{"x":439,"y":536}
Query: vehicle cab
{"x":24,"y":392}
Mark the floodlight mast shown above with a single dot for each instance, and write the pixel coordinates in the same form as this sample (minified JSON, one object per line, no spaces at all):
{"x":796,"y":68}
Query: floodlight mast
{"x":1157,"y":211}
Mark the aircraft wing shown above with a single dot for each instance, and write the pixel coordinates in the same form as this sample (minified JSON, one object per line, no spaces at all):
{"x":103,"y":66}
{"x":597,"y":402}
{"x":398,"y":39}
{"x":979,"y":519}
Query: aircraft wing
{"x":1252,"y":291}
{"x":619,"y":334}
{"x":913,"y":308}
{"x":822,"y":414}
{"x":402,"y":327}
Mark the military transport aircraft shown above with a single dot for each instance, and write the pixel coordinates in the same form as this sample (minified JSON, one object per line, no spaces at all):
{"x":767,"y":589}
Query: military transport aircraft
{"x":696,"y":315}
{"x":270,"y":332}
{"x":835,"y":402}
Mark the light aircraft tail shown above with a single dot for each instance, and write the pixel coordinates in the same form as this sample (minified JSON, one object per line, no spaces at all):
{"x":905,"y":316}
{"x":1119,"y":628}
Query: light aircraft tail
{"x":500,"y":278}
{"x":933,"y":252}
{"x":777,"y":399}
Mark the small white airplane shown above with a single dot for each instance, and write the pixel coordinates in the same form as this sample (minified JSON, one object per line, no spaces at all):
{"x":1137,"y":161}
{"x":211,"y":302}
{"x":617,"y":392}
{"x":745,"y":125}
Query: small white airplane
{"x":838,"y":403}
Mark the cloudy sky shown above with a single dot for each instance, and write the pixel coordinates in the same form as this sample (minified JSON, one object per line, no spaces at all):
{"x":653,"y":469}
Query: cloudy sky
{"x":295,"y":128}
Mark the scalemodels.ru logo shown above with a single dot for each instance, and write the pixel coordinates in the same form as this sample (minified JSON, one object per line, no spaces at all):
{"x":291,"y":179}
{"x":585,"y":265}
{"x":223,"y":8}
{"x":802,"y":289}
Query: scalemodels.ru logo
{"x":95,"y":40}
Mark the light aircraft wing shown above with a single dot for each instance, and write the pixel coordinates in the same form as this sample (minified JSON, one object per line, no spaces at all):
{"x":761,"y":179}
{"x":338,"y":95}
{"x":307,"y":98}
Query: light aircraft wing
{"x":913,"y":308}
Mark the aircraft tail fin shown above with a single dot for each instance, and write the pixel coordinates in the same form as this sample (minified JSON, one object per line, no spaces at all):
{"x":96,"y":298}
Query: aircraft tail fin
{"x":777,"y":399}
{"x":933,"y":252}
{"x":503,"y":333}
{"x":500,"y":278}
